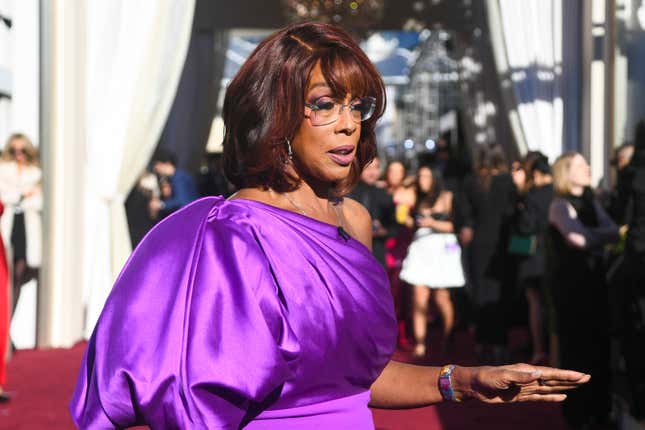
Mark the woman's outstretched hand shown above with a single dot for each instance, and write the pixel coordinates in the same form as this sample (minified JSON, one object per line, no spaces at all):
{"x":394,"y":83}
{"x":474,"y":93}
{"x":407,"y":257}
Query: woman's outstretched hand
{"x":515,"y":383}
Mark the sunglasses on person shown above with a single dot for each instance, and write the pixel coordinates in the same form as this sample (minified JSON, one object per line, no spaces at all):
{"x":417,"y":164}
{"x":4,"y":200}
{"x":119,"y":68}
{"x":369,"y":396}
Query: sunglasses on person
{"x":16,"y":151}
{"x":326,"y":110}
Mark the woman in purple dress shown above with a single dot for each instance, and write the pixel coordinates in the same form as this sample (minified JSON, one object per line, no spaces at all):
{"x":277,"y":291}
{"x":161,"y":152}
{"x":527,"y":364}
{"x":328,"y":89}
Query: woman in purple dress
{"x":267,"y":310}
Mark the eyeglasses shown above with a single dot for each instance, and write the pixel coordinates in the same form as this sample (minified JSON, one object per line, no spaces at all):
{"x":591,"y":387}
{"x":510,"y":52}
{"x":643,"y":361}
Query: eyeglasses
{"x":326,"y":110}
{"x":15,"y":151}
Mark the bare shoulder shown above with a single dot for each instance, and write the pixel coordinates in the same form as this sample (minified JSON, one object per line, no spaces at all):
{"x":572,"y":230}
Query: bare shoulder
{"x":359,"y":221}
{"x":446,"y":195}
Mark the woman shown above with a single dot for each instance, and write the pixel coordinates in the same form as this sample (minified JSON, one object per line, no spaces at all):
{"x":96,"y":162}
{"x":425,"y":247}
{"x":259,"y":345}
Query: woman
{"x":531,"y":225}
{"x":433,"y":262}
{"x":267,"y":310}
{"x":482,"y":214}
{"x":20,"y":191}
{"x":580,"y":229}
{"x":402,"y":192}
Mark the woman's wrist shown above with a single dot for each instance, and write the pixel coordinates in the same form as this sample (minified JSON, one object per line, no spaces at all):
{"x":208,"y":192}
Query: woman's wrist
{"x":462,"y":382}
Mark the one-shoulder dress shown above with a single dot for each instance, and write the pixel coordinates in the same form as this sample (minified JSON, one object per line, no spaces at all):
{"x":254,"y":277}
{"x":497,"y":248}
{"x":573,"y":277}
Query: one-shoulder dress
{"x":236,"y":314}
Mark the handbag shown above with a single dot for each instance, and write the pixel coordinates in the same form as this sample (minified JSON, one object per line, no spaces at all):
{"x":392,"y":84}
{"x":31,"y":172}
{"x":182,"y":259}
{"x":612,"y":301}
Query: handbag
{"x":522,"y":245}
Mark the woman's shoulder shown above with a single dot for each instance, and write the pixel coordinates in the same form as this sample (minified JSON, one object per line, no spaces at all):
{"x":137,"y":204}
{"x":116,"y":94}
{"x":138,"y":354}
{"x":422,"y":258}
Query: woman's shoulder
{"x":200,"y":216}
{"x":7,"y":165}
{"x":356,"y":210}
{"x":359,"y":219}
{"x":207,"y":230}
{"x":560,"y":208}
{"x":444,"y":201}
{"x":445,"y":195}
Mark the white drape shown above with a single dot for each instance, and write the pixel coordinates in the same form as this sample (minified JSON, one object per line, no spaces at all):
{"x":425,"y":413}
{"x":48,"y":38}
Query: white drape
{"x":527,"y":43}
{"x":135,"y":54}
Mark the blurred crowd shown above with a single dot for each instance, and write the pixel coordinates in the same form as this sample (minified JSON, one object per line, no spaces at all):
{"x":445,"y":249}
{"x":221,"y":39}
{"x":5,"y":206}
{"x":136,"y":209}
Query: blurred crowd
{"x":504,"y":243}
{"x":165,"y":187}
{"x":521,"y":242}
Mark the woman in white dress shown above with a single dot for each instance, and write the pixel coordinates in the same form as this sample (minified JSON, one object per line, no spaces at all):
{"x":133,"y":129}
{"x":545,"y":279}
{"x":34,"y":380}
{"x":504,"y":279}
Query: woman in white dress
{"x":433,"y":262}
{"x":20,"y":191}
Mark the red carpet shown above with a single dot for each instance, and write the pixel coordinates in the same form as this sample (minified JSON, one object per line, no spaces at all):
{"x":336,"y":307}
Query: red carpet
{"x":41,"y":384}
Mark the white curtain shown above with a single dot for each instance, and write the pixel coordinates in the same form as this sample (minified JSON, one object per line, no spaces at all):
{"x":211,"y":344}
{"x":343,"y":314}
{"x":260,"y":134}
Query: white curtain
{"x":527,"y":43}
{"x":135,"y":51}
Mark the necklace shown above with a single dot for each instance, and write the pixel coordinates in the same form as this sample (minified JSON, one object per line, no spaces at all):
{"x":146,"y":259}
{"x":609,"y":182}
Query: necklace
{"x":294,"y":204}
{"x":341,"y":231}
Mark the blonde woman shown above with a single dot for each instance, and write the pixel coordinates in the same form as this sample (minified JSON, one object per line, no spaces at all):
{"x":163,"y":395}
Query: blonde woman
{"x":20,"y":191}
{"x":579,"y":229}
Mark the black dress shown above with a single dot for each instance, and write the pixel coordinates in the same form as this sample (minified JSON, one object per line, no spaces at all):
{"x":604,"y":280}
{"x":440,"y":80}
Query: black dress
{"x":19,"y":236}
{"x":577,"y":285}
{"x":488,"y":210}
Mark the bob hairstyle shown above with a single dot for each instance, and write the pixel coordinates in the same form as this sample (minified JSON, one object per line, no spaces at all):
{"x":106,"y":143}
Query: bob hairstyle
{"x":31,"y":152}
{"x":265,"y":103}
{"x":560,"y":168}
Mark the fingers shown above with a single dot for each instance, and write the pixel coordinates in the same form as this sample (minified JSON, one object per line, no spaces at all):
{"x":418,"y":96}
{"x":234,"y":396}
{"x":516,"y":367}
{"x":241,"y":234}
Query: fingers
{"x":558,"y":388}
{"x":527,"y":397}
{"x":543,"y":389}
{"x":550,"y":373}
{"x":534,"y":393}
{"x":542,"y":398}
{"x":557,"y":382}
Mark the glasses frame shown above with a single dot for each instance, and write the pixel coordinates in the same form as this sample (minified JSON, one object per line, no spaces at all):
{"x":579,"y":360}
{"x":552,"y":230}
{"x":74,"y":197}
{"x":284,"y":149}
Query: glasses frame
{"x":315,"y":109}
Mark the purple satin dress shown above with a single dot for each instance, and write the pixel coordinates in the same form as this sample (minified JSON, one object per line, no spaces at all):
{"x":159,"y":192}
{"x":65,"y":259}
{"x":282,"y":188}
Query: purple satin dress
{"x":236,"y":314}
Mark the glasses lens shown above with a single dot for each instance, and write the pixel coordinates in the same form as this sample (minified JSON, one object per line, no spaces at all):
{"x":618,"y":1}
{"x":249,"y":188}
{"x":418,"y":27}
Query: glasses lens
{"x":326,"y":110}
{"x":364,"y":108}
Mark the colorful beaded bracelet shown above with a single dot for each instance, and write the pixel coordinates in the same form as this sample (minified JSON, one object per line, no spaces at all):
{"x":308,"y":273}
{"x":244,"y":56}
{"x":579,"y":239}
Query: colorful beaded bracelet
{"x":445,"y":383}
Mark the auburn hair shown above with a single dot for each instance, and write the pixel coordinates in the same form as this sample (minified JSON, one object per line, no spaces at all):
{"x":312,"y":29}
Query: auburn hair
{"x":265,"y":103}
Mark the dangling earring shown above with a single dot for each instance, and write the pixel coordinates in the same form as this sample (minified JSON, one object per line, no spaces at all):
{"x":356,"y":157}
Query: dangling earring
{"x":289,"y":151}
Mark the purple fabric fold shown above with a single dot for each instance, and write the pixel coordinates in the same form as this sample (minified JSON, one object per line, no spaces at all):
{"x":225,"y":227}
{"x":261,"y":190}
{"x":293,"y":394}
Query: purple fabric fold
{"x":229,"y":310}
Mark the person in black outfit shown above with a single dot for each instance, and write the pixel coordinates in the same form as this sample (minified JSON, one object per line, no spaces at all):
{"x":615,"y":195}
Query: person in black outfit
{"x":380,"y":206}
{"x":482,"y":212}
{"x":579,"y":229}
{"x":531,"y":222}
{"x":140,"y":220}
{"x":629,"y":282}
{"x":212,"y":180}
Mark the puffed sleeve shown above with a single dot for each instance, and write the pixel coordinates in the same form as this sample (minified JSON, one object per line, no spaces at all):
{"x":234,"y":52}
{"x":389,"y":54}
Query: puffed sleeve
{"x":193,"y":334}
